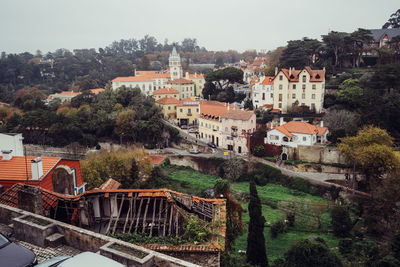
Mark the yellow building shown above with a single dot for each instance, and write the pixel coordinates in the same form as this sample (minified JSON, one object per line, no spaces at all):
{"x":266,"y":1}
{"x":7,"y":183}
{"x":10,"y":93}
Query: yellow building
{"x":188,"y":112}
{"x":168,"y":105}
{"x":184,"y":87}
{"x":304,"y":87}
{"x":210,"y":121}
{"x":199,"y":82}
{"x":165,"y":92}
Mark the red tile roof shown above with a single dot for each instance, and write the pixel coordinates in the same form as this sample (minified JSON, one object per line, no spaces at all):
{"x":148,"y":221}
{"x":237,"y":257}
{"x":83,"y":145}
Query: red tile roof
{"x":238,"y":115}
{"x":110,"y":184}
{"x":168,"y":101}
{"x":268,"y":80}
{"x":315,"y":75}
{"x":156,"y":160}
{"x":163,"y":91}
{"x":69,"y":93}
{"x":133,"y":79}
{"x":2,"y":104}
{"x":180,"y":81}
{"x":214,"y":110}
{"x":97,"y":91}
{"x":300,"y":127}
{"x":18,"y":167}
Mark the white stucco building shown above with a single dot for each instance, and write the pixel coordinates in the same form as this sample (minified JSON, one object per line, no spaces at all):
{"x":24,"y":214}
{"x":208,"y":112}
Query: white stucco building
{"x":263,"y":92}
{"x":295,"y":133}
{"x":150,"y":81}
{"x":11,"y":142}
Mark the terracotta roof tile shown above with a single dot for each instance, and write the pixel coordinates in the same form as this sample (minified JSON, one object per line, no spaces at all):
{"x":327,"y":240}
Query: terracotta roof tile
{"x":214,"y":110}
{"x":15,"y":169}
{"x":133,"y":79}
{"x":168,"y":101}
{"x":163,"y":91}
{"x":97,"y":91}
{"x":268,"y":80}
{"x":156,"y":160}
{"x":238,"y":115}
{"x":110,"y":184}
{"x":300,"y":127}
{"x":180,"y":81}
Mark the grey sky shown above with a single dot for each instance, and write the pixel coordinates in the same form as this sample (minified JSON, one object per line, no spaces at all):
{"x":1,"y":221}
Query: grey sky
{"x":28,"y":25}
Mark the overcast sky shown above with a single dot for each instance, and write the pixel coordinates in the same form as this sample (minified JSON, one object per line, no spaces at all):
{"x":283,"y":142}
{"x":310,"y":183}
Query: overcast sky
{"x":28,"y":25}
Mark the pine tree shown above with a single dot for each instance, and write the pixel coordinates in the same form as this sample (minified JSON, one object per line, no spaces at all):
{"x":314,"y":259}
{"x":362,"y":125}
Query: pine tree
{"x":256,"y":252}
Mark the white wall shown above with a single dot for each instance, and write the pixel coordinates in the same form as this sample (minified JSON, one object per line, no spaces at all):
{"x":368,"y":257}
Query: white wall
{"x":296,"y":140}
{"x":12,"y":142}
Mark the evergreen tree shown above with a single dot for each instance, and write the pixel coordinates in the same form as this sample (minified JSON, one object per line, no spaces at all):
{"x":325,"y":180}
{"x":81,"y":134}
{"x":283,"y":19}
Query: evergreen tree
{"x":256,"y":252}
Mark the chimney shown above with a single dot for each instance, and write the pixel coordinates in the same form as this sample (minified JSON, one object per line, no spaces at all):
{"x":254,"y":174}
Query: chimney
{"x":281,"y":121}
{"x":37,"y":168}
{"x":321,"y":123}
{"x":276,"y":71}
{"x":6,"y":155}
{"x":290,"y":71}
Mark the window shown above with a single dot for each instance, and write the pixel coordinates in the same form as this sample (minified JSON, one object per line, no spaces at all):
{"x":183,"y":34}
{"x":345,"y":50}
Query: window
{"x":226,"y":129}
{"x":272,"y":95}
{"x":303,"y":87}
{"x":304,"y":78}
{"x":294,"y":96}
{"x":314,"y":87}
{"x":175,"y":107}
{"x":313,"y":96}
{"x":280,"y":77}
{"x":280,"y":87}
{"x":303,"y":96}
{"x":169,"y":107}
{"x":197,"y":110}
{"x":280,"y":105}
{"x":312,"y":106}
{"x":304,"y":138}
{"x":280,"y":97}
{"x":180,"y":110}
{"x":189,"y":111}
{"x":263,"y":96}
{"x":294,"y":86}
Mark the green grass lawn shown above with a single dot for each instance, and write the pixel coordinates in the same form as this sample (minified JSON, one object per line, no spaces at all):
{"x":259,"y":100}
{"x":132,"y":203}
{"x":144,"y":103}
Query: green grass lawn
{"x":189,"y":181}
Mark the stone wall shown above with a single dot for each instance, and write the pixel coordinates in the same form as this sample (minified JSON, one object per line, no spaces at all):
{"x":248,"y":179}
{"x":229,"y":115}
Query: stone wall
{"x":321,"y":154}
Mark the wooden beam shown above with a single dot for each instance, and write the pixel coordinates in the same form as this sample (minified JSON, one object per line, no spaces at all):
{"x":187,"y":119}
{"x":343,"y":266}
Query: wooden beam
{"x":170,"y":219}
{"x":165,"y":217}
{"x":119,"y":212}
{"x":176,"y":223}
{"x":154,"y":215}
{"x":138,"y":215}
{"x":111,"y":214}
{"x":159,"y":216}
{"x":127,"y":214}
{"x":133,"y":214}
{"x":145,"y":215}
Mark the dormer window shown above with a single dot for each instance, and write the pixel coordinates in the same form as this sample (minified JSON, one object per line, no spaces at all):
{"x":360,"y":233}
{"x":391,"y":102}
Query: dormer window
{"x":317,"y":76}
{"x":304,"y":78}
{"x":291,"y":76}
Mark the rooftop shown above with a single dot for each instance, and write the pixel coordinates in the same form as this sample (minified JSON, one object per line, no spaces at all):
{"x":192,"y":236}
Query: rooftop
{"x":180,"y":81}
{"x":168,"y":101}
{"x":163,"y":91}
{"x":300,"y":127}
{"x":238,"y":115}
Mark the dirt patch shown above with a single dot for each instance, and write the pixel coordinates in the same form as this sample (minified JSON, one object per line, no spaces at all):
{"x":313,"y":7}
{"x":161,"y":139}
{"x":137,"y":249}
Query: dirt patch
{"x":130,"y":251}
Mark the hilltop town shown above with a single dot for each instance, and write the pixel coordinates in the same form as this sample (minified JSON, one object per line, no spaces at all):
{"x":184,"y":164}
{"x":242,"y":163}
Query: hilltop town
{"x":172,"y":155}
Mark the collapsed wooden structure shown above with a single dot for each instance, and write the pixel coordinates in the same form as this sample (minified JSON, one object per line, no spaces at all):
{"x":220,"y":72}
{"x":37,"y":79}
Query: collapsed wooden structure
{"x":153,"y":212}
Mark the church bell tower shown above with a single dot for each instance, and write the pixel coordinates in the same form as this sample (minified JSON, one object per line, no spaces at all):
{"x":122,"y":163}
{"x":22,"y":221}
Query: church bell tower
{"x":175,"y":67}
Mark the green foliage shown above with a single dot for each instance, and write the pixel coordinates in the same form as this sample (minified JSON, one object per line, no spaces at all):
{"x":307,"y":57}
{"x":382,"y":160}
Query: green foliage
{"x":234,"y":259}
{"x":396,"y":245}
{"x":345,"y":246}
{"x":387,"y":261}
{"x":278,"y":227}
{"x":256,"y":252}
{"x":393,"y":21}
{"x":248,"y":104}
{"x":341,"y":222}
{"x":311,"y":253}
{"x":234,"y":169}
{"x":143,"y":238}
{"x":195,"y":232}
{"x":259,"y":151}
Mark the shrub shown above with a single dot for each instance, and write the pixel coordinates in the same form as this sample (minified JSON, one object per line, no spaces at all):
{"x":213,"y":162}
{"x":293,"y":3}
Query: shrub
{"x":345,"y":246}
{"x":194,"y":232}
{"x":396,"y":245}
{"x":301,"y":185}
{"x":278,"y":227}
{"x":259,"y":151}
{"x":341,"y":222}
{"x":387,"y":261}
{"x":291,"y":218}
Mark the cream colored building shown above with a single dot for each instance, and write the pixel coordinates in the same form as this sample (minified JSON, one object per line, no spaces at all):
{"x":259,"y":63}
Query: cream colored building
{"x":199,"y":82}
{"x":184,"y":87}
{"x":237,"y":126}
{"x":188,"y":112}
{"x":165,"y":92}
{"x":304,"y":87}
{"x":210,"y":121}
{"x":169,"y":106}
